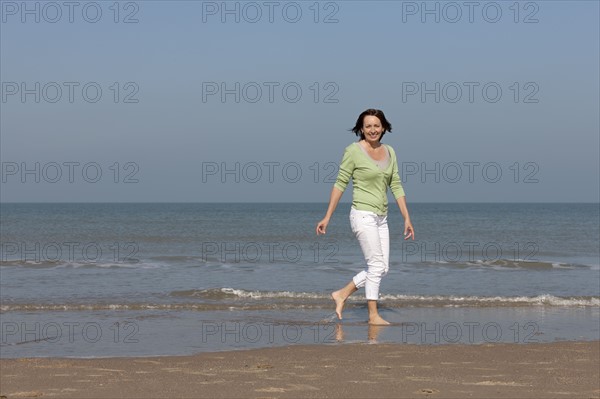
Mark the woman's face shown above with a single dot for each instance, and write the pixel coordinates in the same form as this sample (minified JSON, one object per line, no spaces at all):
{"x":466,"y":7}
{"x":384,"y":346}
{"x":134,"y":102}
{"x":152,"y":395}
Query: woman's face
{"x":372,"y":129}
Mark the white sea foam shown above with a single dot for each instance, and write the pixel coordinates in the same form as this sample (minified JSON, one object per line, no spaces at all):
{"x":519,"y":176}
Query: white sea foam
{"x":544,"y":299}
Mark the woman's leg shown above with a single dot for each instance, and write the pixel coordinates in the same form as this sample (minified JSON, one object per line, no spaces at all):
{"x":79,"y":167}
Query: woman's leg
{"x":374,"y":317}
{"x":373,"y":235}
{"x":384,"y":239}
{"x":340,"y":297}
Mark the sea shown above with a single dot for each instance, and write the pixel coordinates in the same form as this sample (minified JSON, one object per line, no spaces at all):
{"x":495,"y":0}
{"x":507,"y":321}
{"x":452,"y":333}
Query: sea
{"x":90,"y":280}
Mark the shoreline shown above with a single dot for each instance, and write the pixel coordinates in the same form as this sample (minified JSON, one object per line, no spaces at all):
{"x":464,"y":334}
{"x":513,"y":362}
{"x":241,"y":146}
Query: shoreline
{"x":523,"y":370}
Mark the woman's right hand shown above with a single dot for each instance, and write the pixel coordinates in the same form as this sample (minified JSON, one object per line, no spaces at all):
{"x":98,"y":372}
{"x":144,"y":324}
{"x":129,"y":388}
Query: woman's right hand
{"x":334,"y":198}
{"x":322,"y":226}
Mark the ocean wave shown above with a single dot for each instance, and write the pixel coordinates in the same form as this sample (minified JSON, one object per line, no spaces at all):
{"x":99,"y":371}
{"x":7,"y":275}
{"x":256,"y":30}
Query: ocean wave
{"x":179,"y":258}
{"x":239,"y":300}
{"x":192,"y":261}
{"x":228,"y":298}
{"x":390,"y":299}
{"x":126,"y":263}
{"x":199,"y":307}
{"x":257,"y":300}
{"x":232,"y":293}
{"x":511,"y":264}
{"x":455,"y":301}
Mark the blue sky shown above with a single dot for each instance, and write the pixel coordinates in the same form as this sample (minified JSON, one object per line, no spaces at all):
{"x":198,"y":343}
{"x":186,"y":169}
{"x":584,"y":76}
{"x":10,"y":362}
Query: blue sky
{"x":510,"y":111}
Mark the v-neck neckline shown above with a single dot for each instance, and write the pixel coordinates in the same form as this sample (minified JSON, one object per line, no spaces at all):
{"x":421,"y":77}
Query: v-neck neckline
{"x":374,"y":161}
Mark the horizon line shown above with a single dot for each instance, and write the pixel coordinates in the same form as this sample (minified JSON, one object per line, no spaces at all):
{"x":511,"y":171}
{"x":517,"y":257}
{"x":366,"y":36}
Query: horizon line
{"x":290,"y":202}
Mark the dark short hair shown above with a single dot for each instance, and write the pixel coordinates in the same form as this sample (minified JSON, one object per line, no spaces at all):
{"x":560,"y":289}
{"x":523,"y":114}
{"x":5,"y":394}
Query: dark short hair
{"x":387,"y":126}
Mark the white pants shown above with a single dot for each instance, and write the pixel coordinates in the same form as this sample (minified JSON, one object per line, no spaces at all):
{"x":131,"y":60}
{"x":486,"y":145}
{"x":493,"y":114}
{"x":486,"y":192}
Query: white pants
{"x":372,"y":233}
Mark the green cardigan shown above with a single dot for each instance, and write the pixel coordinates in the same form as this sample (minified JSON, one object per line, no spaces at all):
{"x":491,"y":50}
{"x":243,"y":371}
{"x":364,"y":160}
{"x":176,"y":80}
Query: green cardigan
{"x":369,"y":181}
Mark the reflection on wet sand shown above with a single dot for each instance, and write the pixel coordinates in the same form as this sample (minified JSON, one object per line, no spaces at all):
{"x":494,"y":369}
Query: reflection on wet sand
{"x":372,"y":333}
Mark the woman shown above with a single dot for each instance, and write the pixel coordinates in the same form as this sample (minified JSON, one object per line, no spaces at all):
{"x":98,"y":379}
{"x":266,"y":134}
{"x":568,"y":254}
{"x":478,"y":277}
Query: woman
{"x":373,"y":167}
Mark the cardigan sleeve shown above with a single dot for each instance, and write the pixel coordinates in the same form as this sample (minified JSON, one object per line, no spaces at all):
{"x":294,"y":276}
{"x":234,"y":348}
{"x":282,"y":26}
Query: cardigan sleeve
{"x":345,"y":172}
{"x":395,"y":182}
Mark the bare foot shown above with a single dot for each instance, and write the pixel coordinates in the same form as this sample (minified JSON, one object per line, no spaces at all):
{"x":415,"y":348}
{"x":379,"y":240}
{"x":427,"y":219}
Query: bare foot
{"x":339,"y":303}
{"x":378,"y":321}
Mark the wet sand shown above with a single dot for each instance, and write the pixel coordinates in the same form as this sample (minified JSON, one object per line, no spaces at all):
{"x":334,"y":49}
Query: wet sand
{"x":540,"y":370}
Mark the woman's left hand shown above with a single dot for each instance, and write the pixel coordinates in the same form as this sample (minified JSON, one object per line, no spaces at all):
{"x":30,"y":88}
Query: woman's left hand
{"x":408,"y":230}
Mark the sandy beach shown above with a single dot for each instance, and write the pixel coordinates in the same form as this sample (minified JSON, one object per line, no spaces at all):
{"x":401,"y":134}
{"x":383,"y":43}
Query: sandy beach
{"x":544,"y":370}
